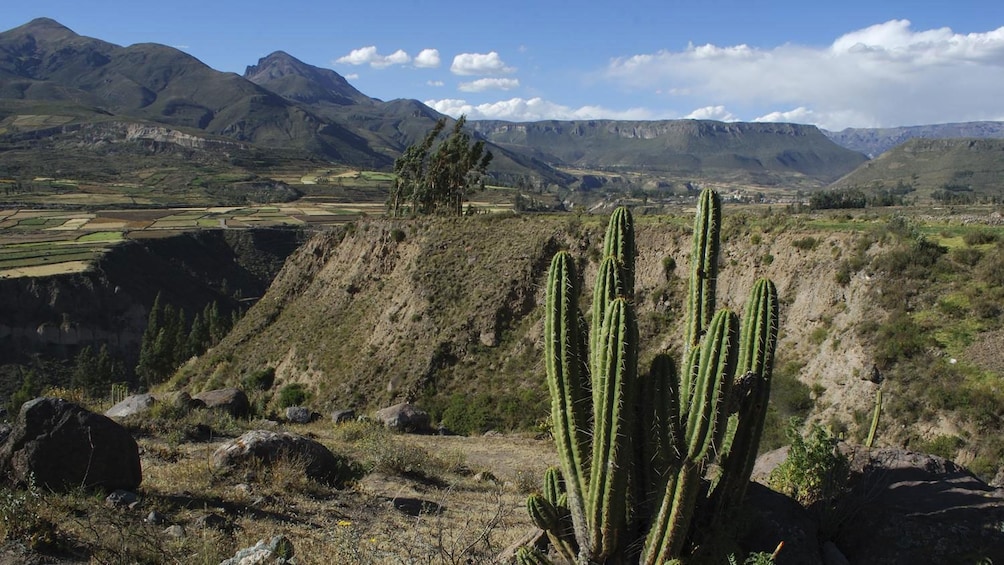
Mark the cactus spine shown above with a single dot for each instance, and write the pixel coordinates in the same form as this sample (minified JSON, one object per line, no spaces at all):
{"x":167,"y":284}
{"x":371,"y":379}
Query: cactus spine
{"x":635,"y":448}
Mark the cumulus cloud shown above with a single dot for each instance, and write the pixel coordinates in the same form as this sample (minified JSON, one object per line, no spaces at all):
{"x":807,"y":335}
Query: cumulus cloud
{"x":427,"y":59}
{"x":532,"y":109}
{"x":467,"y":64}
{"x":884,"y":75}
{"x":434,"y":83}
{"x":483,"y":84}
{"x":713,"y":113}
{"x":369,"y":56}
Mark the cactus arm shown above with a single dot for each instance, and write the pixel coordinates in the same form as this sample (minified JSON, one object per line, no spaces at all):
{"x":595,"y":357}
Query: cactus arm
{"x":608,"y":287}
{"x":619,"y":243}
{"x":876,"y":414}
{"x":613,"y":423}
{"x":567,"y":381}
{"x":704,"y":266}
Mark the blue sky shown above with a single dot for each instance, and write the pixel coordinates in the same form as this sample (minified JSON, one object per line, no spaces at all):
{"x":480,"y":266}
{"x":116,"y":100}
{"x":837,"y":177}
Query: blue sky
{"x":840,"y":64}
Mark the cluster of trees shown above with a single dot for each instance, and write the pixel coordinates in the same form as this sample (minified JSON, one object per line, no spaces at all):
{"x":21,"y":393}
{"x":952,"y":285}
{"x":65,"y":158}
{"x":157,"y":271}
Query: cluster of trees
{"x":436,"y":181}
{"x":857,"y":198}
{"x":95,"y":372}
{"x":169,"y":340}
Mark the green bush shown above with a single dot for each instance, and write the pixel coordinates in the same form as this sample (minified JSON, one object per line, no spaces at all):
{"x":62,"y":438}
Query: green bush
{"x":262,"y":379}
{"x":294,"y":394}
{"x":815,"y":470}
{"x":807,"y":243}
{"x":979,"y":237}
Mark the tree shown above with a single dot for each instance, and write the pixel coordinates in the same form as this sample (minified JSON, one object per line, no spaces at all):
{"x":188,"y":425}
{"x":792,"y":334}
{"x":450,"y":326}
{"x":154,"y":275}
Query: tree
{"x":437,"y":181}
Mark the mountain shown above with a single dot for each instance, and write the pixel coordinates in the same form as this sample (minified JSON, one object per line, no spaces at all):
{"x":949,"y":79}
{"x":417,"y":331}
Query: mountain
{"x":875,"y":141}
{"x":43,"y":62}
{"x":52,"y":80}
{"x":759,"y":153}
{"x":952,"y":170}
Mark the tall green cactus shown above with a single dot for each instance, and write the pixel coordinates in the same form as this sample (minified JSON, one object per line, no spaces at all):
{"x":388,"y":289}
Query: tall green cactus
{"x":636,"y":448}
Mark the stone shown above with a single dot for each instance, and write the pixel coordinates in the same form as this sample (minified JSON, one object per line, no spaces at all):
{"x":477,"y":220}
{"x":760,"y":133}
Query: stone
{"x":155,"y":518}
{"x":121,"y":498}
{"x":342,"y":416}
{"x":300,"y":415}
{"x":268,"y":447}
{"x":773,"y":518}
{"x":278,"y":550}
{"x":404,"y":417}
{"x":64,"y":446}
{"x":232,"y":400}
{"x":907,"y":507}
{"x":175,"y":531}
{"x":132,"y":405}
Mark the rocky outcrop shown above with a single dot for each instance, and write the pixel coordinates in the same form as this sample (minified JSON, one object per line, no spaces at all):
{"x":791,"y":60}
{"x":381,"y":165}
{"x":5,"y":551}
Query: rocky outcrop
{"x":907,"y":507}
{"x":181,"y":402}
{"x":61,"y":446}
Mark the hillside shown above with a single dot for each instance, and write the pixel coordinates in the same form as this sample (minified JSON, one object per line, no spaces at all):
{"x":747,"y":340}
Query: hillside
{"x":447,"y":313}
{"x":761,"y":154}
{"x":876,"y":141}
{"x":959,"y":171}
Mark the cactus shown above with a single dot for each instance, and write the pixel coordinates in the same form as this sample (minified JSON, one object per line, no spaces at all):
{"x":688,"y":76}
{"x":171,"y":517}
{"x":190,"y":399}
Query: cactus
{"x":636,"y":449}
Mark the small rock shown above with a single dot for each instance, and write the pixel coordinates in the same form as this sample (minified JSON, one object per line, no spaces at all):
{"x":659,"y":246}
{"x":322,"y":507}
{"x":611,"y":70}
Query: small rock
{"x":278,"y":550}
{"x":213,"y":522}
{"x":131,"y":405}
{"x":300,"y":415}
{"x":175,"y":531}
{"x":155,"y":518}
{"x":121,"y":498}
{"x":485,"y":476}
{"x":342,"y":416}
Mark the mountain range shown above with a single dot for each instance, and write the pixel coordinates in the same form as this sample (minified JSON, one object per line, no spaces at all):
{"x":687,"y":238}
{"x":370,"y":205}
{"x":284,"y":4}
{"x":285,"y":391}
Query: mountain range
{"x":56,"y":84}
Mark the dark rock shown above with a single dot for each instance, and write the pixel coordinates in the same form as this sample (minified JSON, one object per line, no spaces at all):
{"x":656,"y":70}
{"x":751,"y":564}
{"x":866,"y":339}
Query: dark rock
{"x":5,"y":430}
{"x":342,"y":416}
{"x":300,"y":415}
{"x":278,"y":551}
{"x":267,"y":447}
{"x":154,"y":518}
{"x":909,"y":507}
{"x":832,"y":555}
{"x":64,"y":446}
{"x":404,"y":417}
{"x":773,"y":518}
{"x":233,"y":400}
{"x":214,"y":522}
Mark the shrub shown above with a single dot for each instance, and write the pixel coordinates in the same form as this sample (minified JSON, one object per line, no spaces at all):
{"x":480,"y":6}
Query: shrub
{"x":979,"y":237}
{"x":815,"y":470}
{"x":294,"y":394}
{"x":807,"y":243}
{"x":262,"y":379}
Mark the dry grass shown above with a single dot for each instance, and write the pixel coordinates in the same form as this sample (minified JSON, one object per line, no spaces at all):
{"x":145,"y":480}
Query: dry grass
{"x":422,"y":499}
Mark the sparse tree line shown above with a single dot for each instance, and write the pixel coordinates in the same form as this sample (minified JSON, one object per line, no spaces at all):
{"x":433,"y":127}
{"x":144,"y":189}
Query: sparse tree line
{"x":437,"y":180}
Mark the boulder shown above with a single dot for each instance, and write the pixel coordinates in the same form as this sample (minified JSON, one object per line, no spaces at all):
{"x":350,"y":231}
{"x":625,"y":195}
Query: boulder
{"x":773,"y":518}
{"x":132,"y":405}
{"x":233,"y":400}
{"x":404,"y":417}
{"x":267,"y":447}
{"x":907,"y":507}
{"x":64,"y":446}
{"x":180,"y":402}
{"x":342,"y":416}
{"x":300,"y":415}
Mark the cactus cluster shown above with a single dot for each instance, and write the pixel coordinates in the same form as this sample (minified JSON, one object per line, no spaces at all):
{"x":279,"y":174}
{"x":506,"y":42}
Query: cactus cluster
{"x":652,"y":462}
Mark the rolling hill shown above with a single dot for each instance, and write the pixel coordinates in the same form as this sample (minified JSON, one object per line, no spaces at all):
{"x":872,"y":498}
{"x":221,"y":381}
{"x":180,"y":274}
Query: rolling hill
{"x":875,"y":141}
{"x":959,"y":170}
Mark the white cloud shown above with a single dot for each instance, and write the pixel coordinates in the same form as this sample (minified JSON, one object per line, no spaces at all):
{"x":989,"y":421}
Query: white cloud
{"x":479,"y":64}
{"x":532,"y":109}
{"x":369,"y":56}
{"x":483,"y":84}
{"x":427,"y":59}
{"x":434,"y":83}
{"x":712,"y":113}
{"x":352,"y":76}
{"x":883,"y":75}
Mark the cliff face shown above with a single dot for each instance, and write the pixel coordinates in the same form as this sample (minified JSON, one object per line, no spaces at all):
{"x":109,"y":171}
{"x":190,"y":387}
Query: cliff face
{"x":427,"y":309}
{"x":109,"y":304}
